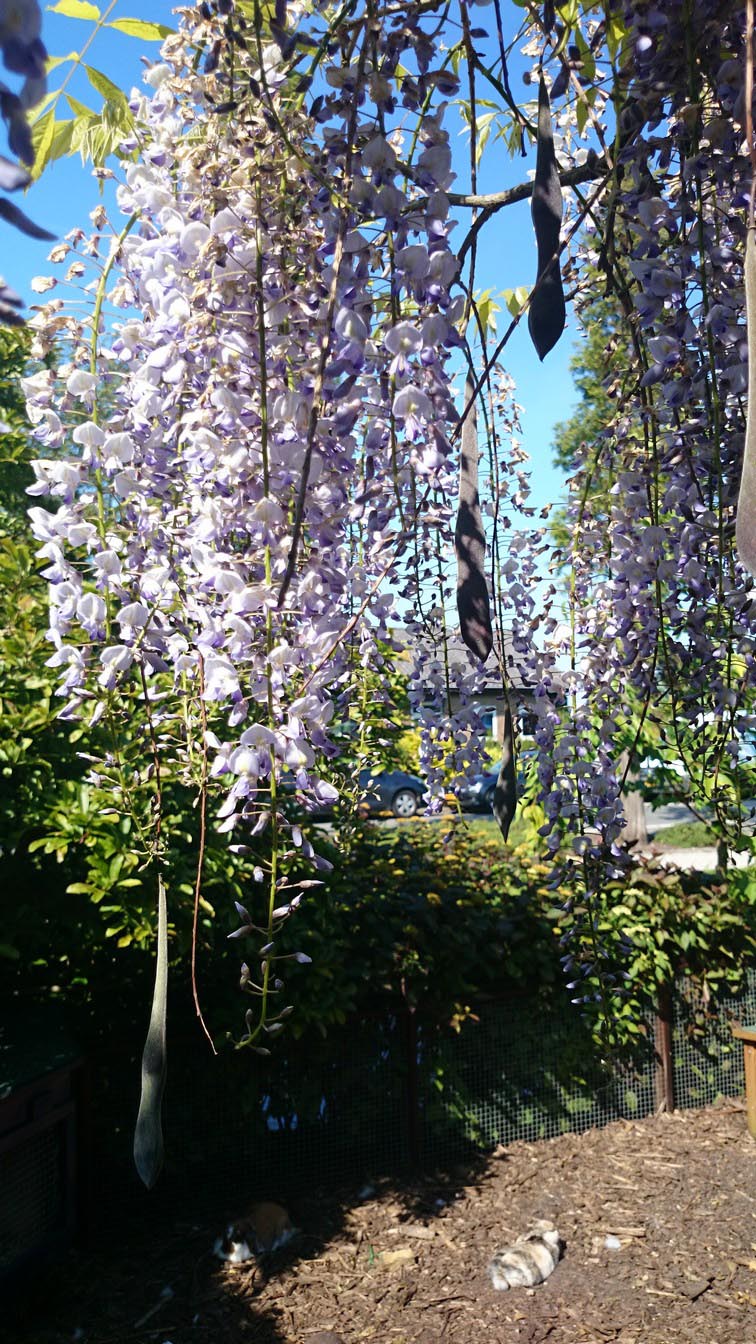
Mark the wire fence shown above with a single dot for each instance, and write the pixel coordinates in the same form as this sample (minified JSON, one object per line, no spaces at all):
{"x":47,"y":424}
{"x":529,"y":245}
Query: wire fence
{"x":388,"y":1094}
{"x":384,"y":1095}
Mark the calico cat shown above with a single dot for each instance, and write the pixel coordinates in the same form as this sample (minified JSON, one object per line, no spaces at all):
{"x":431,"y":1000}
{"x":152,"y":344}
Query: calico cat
{"x":264,"y":1229}
{"x":529,"y":1260}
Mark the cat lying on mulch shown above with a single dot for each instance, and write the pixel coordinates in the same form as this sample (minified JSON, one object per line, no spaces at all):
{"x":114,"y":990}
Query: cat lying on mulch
{"x":529,"y":1260}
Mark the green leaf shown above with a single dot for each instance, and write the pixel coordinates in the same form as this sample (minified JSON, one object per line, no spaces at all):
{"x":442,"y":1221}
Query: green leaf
{"x":569,"y":11}
{"x":487,"y":310}
{"x":12,"y":953}
{"x":43,"y":132}
{"x":53,"y":62}
{"x":581,"y":115}
{"x":516,"y":299}
{"x":148,"y":32}
{"x":79,"y":134}
{"x":588,"y":71}
{"x":61,"y":141}
{"x":616,"y":32}
{"x":79,"y":109}
{"x":481,"y":142}
{"x":105,"y":86}
{"x":42,"y":106}
{"x":75,"y":9}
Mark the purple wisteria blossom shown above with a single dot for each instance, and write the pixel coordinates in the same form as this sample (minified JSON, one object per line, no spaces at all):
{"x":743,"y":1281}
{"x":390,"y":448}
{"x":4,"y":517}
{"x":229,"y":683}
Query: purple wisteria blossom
{"x":235,"y":541}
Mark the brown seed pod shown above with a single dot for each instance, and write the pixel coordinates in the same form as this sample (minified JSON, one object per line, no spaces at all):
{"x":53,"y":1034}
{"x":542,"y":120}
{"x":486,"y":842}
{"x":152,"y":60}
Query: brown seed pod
{"x":745,"y":525}
{"x":470,"y":543}
{"x":546,"y":315}
{"x":505,"y":792}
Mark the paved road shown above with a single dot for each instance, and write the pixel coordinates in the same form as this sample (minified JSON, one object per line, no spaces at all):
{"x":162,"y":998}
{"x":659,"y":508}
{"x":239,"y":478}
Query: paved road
{"x":673,"y":813}
{"x":669,"y":815}
{"x":703,"y":860}
{"x":699,"y":860}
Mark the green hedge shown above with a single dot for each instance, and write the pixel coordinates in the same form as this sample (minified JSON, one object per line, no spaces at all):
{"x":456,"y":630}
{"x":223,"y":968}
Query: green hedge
{"x":402,"y":916}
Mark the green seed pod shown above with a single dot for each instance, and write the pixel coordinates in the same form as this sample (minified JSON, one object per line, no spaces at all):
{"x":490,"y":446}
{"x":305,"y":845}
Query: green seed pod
{"x":745,"y":525}
{"x":473,"y":604}
{"x":546,"y":315}
{"x":148,"y":1135}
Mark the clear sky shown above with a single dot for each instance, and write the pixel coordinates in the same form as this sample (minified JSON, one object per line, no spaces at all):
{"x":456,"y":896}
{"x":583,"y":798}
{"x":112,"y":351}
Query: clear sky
{"x":66,"y":193}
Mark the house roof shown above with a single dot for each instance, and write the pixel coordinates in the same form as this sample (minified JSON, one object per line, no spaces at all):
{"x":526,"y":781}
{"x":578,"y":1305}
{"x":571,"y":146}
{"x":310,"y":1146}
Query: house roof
{"x":459,"y":658}
{"x":517,"y":673}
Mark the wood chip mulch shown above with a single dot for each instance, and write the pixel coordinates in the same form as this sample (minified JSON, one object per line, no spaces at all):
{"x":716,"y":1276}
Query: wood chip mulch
{"x":408,"y":1265}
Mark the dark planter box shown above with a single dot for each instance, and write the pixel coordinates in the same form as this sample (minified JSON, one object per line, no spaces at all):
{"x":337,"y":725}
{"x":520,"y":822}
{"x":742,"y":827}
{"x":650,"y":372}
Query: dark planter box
{"x":41,"y":1126}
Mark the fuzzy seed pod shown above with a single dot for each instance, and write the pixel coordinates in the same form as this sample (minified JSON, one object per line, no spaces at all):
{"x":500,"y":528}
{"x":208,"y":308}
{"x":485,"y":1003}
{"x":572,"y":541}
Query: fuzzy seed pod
{"x":470,"y":544}
{"x":546,"y":315}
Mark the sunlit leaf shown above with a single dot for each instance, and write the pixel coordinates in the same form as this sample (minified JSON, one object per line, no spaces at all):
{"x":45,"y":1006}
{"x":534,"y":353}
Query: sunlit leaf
{"x":79,"y":109}
{"x":148,"y":32}
{"x":75,"y":9}
{"x":516,"y":299}
{"x":53,"y":62}
{"x":105,"y":86}
{"x":43,"y":132}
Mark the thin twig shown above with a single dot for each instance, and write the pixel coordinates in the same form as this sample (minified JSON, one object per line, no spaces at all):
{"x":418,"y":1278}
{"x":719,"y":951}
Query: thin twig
{"x":594,"y":167}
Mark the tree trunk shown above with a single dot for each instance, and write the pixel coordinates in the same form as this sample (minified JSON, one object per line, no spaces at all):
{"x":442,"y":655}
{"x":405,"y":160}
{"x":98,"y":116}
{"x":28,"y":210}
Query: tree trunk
{"x":634,"y":831}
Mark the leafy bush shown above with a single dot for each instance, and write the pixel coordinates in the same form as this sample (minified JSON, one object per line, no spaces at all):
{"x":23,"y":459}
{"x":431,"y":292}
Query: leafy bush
{"x":439,"y":926}
{"x":447,"y":926}
{"x":640,"y":932}
{"x":401,"y":918}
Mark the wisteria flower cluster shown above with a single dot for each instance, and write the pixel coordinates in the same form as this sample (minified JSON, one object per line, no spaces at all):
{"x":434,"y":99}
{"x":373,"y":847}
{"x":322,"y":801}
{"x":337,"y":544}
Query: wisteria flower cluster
{"x":662,"y":619}
{"x":233,"y":541}
{"x":23,"y":53}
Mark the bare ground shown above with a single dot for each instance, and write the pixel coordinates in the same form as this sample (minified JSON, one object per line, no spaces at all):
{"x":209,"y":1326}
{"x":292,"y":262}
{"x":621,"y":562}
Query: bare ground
{"x":408,"y":1265}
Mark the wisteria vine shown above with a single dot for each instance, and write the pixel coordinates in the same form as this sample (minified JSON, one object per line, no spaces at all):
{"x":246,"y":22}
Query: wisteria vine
{"x":253,"y":443}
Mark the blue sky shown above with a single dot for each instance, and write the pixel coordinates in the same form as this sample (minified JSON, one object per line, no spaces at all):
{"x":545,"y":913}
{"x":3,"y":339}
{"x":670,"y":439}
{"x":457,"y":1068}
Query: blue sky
{"x":66,"y":193}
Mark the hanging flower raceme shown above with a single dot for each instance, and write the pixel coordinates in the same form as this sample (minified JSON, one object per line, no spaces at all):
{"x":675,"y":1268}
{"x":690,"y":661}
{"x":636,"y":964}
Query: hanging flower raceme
{"x":23,"y":53}
{"x":662,"y":627}
{"x":233,"y":533}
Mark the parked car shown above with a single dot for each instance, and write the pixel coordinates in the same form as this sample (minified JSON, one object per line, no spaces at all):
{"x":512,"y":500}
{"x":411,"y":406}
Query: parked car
{"x":380,"y":791}
{"x":392,"y":791}
{"x":478,"y":793}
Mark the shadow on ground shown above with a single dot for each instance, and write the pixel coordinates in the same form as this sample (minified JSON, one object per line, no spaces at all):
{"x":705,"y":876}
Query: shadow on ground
{"x":147,"y":1273}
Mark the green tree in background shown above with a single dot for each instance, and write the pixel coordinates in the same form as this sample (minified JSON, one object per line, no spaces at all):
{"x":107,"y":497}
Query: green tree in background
{"x":15,"y":473}
{"x":601,"y":367}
